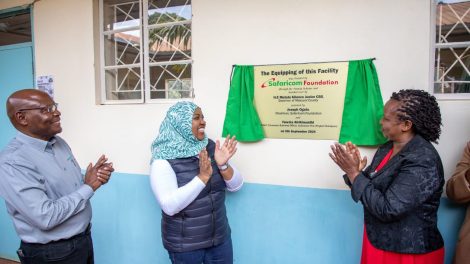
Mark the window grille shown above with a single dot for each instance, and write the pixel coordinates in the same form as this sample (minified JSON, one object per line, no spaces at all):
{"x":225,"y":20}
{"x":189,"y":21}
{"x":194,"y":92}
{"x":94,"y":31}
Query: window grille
{"x":145,"y":50}
{"x":452,"y":48}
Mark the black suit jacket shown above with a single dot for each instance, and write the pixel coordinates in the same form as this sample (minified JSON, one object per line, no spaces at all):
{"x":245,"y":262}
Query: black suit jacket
{"x":401,"y":200}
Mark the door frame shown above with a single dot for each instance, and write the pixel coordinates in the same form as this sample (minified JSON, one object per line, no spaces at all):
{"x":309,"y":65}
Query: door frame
{"x":22,"y":10}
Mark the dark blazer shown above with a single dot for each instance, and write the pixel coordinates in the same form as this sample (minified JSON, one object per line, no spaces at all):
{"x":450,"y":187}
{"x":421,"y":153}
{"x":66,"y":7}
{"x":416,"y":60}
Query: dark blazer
{"x":401,"y":200}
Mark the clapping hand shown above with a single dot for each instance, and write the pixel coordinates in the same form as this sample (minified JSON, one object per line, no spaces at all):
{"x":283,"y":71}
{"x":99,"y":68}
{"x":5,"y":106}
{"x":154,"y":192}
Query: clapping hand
{"x":354,"y":150}
{"x":225,"y":151}
{"x":205,"y":167}
{"x":98,"y":174}
{"x":348,"y":158}
{"x":104,"y":172}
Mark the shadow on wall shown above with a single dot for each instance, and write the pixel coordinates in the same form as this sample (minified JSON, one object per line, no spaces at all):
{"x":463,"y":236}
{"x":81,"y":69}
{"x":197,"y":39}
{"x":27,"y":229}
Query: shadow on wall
{"x":270,"y":224}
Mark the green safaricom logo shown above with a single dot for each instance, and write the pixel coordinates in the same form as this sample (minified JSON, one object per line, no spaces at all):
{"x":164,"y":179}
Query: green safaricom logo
{"x":272,"y":82}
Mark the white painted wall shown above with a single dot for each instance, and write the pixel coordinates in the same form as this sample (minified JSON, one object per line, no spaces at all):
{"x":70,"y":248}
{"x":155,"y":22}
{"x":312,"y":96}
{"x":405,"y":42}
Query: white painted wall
{"x":267,"y":32}
{"x":397,"y":33}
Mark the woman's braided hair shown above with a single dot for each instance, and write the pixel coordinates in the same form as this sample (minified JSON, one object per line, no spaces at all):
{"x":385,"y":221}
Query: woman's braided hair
{"x":422,"y":110}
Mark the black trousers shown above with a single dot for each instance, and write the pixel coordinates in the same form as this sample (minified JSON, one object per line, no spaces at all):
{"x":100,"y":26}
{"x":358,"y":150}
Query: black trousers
{"x":75,"y":250}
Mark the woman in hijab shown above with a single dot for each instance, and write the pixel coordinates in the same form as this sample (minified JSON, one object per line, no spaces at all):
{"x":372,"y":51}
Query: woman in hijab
{"x":189,"y":175}
{"x":401,"y":189}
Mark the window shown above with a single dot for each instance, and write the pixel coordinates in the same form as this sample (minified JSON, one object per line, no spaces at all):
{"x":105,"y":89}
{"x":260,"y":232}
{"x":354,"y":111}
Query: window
{"x":145,"y":50}
{"x":178,"y":89}
{"x":452,"y":48}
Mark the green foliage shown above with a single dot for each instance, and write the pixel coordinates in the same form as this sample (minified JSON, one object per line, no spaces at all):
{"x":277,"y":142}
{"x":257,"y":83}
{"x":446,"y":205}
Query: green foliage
{"x":173,"y":34}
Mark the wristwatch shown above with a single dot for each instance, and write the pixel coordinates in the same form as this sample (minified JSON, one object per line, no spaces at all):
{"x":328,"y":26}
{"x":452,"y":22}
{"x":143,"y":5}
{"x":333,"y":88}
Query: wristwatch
{"x":223,"y":167}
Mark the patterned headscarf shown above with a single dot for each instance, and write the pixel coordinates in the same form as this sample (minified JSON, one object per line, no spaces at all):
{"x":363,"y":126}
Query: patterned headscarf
{"x":176,"y":138}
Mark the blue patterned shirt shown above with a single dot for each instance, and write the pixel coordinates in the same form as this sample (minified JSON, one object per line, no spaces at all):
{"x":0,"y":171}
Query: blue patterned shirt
{"x":43,"y":188}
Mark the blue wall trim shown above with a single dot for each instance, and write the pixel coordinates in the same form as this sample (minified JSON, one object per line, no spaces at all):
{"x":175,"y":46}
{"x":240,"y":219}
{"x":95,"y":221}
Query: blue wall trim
{"x":16,"y":46}
{"x":270,"y":224}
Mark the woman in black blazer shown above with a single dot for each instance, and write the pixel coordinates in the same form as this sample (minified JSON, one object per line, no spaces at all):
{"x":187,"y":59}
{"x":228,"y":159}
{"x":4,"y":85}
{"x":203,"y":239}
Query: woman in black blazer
{"x":401,"y":189}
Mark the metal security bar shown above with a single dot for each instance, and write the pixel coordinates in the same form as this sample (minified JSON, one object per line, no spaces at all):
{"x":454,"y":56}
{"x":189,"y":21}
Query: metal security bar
{"x":452,"y":54}
{"x":145,"y":50}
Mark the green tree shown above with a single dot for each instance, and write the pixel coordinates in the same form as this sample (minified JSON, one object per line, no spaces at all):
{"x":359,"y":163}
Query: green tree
{"x":174,"y":34}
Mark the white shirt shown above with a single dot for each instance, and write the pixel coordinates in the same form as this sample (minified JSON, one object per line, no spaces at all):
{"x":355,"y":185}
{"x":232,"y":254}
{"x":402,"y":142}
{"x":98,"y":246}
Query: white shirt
{"x":173,"y":199}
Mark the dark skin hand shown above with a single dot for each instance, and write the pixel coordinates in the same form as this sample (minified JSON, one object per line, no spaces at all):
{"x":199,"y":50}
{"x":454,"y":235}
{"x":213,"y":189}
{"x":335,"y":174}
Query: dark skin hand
{"x":205,"y":167}
{"x":348,"y":158}
{"x":223,"y":152}
{"x":98,"y":174}
{"x":353,"y":149}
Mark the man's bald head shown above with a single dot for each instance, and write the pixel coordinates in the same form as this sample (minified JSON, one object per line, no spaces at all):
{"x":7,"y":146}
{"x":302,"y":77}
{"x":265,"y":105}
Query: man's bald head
{"x":22,"y":99}
{"x":34,"y":113}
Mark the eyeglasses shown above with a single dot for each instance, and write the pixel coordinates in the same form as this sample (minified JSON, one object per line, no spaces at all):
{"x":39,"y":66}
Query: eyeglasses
{"x":44,"y":109}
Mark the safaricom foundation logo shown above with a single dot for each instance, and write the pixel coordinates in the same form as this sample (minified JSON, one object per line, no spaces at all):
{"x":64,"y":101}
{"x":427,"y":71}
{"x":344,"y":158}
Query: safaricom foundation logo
{"x":272,"y":82}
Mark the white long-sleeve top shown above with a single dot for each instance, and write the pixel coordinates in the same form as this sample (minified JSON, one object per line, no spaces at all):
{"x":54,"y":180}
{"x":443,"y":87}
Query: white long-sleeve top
{"x":173,"y":199}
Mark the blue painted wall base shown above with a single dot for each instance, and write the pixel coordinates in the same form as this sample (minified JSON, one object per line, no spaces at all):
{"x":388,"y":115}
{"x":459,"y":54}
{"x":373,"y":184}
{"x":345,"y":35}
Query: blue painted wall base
{"x":270,"y":224}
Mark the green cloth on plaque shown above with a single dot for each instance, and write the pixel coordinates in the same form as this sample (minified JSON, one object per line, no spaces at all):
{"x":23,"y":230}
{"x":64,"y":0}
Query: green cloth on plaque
{"x":363,"y":106}
{"x":241,"y":118}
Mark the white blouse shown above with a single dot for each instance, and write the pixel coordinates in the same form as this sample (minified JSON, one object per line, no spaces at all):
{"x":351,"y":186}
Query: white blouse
{"x":173,"y":199}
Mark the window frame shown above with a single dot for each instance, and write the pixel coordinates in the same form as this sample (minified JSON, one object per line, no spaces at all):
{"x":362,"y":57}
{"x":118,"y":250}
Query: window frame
{"x":144,"y":63}
{"x":434,"y":47}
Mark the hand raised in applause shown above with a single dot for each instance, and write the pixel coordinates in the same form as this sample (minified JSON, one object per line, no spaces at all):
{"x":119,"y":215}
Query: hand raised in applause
{"x":205,"y":167}
{"x":353,"y":149}
{"x":104,"y":172}
{"x":347,"y":158}
{"x":225,"y":151}
{"x":98,"y":174}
